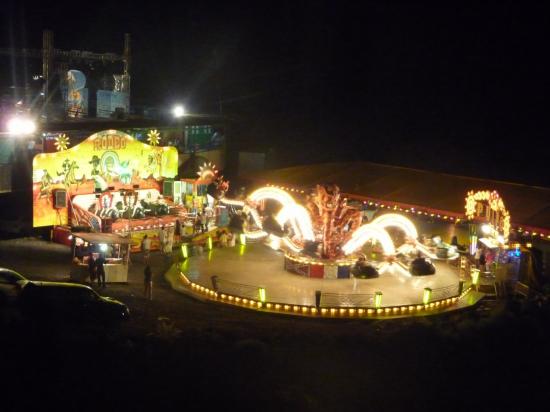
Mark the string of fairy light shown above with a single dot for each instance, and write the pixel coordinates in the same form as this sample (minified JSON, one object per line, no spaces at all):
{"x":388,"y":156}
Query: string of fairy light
{"x":261,"y":304}
{"x":422,"y":211}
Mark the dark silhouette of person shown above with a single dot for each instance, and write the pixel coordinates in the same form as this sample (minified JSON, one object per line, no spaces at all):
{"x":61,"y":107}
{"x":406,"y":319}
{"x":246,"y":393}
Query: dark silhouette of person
{"x":148,"y":282}
{"x":100,"y":270}
{"x":482,"y":260}
{"x":91,"y":267}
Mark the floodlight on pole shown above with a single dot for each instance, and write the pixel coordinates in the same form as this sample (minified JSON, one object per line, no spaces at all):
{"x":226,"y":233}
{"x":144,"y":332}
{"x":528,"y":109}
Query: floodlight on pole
{"x":20,"y":126}
{"x":178,"y":111}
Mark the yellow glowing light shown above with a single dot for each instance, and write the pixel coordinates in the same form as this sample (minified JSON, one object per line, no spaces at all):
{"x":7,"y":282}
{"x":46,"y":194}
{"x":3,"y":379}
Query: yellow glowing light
{"x":369,"y":232}
{"x":153,"y":137}
{"x":184,"y":251}
{"x":377,"y":299}
{"x":399,"y":221}
{"x":207,"y":171}
{"x":271,"y":193}
{"x":474,"y":273}
{"x":299,"y":218}
{"x":426,"y":295}
{"x":261,"y":294}
{"x":62,"y":142}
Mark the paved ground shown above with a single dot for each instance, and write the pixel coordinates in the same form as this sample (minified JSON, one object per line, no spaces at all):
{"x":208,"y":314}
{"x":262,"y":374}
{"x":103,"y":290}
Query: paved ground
{"x":230,"y":357}
{"x":256,"y":265}
{"x":41,"y":260}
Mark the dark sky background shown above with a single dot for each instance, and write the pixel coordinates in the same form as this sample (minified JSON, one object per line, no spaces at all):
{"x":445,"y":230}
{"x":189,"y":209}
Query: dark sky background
{"x":458,"y":87}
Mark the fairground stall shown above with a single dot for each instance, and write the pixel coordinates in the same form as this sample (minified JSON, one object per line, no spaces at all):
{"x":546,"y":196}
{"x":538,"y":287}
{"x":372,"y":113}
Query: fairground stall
{"x":196,"y":193}
{"x":108,"y":183}
{"x":115,"y":249}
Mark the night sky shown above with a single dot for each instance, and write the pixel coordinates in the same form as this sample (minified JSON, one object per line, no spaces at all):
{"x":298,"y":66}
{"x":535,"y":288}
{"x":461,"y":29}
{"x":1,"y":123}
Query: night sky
{"x":457,"y":87}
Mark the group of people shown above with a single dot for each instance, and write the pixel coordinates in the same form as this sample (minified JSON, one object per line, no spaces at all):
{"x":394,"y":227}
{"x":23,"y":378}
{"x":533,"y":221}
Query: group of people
{"x":166,"y":240}
{"x":201,"y":222}
{"x":96,"y":269}
{"x":484,"y":258}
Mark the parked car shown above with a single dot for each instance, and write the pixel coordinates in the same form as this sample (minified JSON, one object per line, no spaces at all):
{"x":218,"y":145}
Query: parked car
{"x":59,"y":301}
{"x":11,"y":285}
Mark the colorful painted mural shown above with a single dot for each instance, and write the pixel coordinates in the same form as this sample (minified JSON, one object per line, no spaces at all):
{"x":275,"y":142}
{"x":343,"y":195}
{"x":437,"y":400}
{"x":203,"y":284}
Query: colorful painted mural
{"x":107,"y":159}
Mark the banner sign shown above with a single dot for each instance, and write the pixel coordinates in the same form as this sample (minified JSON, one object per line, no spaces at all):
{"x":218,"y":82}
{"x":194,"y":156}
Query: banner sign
{"x":108,"y":159}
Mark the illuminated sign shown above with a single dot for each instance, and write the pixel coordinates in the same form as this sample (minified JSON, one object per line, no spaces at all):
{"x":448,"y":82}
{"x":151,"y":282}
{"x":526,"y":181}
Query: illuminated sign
{"x":107,"y":159}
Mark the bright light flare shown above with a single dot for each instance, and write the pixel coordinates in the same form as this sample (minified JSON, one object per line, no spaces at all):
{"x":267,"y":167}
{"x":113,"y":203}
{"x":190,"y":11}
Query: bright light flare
{"x":272,"y":193}
{"x":258,"y":234}
{"x":486,"y":229}
{"x":300,"y":215}
{"x":21,"y":126}
{"x":178,"y":111}
{"x":369,"y":232}
{"x":395,"y":220}
{"x":232,"y":202}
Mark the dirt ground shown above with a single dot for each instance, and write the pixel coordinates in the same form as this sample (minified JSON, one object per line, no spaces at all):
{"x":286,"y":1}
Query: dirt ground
{"x":208,"y":356}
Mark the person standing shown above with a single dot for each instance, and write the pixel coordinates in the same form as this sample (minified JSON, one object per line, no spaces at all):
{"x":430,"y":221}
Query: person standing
{"x":100,"y":270}
{"x":477,"y":255}
{"x":91,"y":267}
{"x":204,"y":222}
{"x":146,"y":248}
{"x":482,"y":261}
{"x":148,"y":283}
{"x":169,"y":241}
{"x":162,"y":239}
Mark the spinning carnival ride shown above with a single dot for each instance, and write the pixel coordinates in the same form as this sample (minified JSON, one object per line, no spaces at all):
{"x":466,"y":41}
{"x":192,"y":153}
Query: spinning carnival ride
{"x":325,"y":237}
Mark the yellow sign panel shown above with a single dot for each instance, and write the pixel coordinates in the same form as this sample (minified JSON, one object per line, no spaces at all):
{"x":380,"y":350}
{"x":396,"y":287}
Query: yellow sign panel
{"x":106,"y":159}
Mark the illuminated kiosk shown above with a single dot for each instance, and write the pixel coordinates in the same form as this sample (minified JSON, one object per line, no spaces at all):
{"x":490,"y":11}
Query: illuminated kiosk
{"x":116,"y":249}
{"x":327,"y":239}
{"x":110,"y":183}
{"x":198,"y":190}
